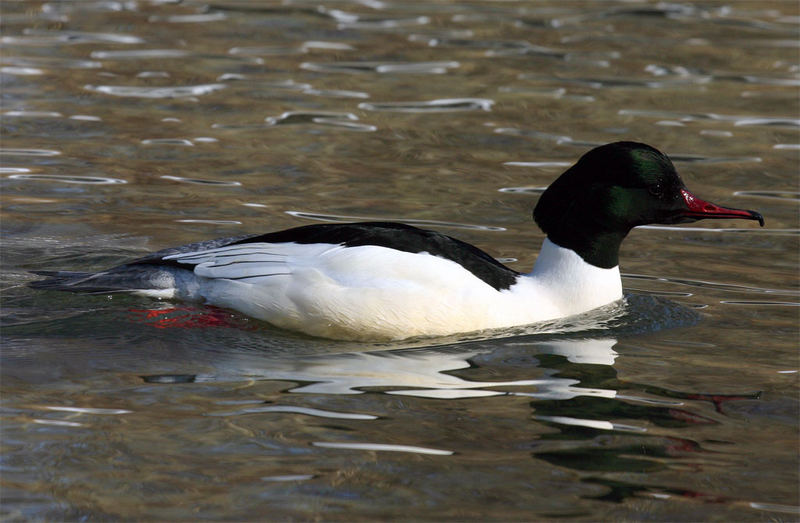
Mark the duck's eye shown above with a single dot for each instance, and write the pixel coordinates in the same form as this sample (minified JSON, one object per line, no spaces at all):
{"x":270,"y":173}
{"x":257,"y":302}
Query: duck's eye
{"x":656,"y":190}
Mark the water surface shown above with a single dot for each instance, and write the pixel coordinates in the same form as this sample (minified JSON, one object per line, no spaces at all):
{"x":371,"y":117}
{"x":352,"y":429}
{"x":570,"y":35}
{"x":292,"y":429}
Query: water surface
{"x":133,"y":126}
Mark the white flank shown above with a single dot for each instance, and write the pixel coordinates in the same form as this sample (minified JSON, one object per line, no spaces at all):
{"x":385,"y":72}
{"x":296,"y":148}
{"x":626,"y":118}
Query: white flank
{"x":377,"y":293}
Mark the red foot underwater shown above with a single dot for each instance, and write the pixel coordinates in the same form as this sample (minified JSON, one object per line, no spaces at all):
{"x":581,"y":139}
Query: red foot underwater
{"x":189,"y":318}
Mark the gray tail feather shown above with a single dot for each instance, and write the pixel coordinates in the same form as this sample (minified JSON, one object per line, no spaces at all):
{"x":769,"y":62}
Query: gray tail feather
{"x":83,"y":282}
{"x":125,"y":278}
{"x":60,"y":280}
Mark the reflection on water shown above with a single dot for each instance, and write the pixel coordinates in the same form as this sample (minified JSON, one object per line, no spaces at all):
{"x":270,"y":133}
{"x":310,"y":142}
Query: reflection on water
{"x":410,"y":372}
{"x":133,"y":126}
{"x":603,"y":428}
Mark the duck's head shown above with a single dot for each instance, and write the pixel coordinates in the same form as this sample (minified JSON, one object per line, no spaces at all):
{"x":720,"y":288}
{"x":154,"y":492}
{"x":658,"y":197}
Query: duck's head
{"x":612,"y":189}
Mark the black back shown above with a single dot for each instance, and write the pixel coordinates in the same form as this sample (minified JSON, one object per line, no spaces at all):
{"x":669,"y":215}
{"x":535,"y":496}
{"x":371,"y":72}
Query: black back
{"x":401,"y":237}
{"x":397,"y":236}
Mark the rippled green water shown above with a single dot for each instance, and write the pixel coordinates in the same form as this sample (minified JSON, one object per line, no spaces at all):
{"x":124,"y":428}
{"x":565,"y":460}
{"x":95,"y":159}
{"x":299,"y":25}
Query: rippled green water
{"x":133,"y":126}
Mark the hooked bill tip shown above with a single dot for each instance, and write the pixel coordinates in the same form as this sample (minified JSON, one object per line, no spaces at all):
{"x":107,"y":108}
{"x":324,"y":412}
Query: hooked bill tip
{"x":700,"y":209}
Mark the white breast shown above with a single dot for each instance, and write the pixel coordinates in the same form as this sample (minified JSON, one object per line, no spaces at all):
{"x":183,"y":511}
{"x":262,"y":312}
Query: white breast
{"x":569,"y":284}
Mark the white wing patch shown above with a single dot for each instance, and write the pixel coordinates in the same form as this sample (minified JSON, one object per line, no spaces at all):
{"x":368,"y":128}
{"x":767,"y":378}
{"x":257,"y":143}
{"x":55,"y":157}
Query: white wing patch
{"x":251,"y":260}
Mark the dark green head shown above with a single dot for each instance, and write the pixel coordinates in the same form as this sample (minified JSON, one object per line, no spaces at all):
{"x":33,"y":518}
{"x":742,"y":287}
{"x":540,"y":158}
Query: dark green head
{"x":612,"y":189}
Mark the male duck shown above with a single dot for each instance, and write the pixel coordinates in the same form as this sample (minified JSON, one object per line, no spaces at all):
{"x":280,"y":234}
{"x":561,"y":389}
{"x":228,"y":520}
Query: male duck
{"x":378,"y":280}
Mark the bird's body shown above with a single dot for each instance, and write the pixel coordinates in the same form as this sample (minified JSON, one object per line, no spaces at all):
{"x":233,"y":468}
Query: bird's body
{"x":379,"y":280}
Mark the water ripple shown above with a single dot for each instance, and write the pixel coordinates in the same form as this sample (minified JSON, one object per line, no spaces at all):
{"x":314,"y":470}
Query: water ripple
{"x":348,"y":20}
{"x":85,"y":180}
{"x":445,"y":105}
{"x":692,"y":117}
{"x":33,"y":114}
{"x":168,"y":141}
{"x":337,"y":93}
{"x":264,"y":50}
{"x":305,"y":47}
{"x":89,"y":410}
{"x":58,"y":423}
{"x":665,"y":10}
{"x":338,"y":218}
{"x":328,"y":118}
{"x":537,"y":164}
{"x":213,"y":222}
{"x":89,"y":5}
{"x":716,"y":133}
{"x":761,"y":80}
{"x":170,"y":378}
{"x":774,"y":507}
{"x":679,"y":75}
{"x":774,"y":122}
{"x":326,"y":46}
{"x":38,"y":37}
{"x":21,"y":71}
{"x":447,"y":394}
{"x":759,"y":303}
{"x":288,"y":477}
{"x":694,"y":158}
{"x":85,"y":118}
{"x":382,"y":447}
{"x":561,"y":139}
{"x":290,"y":409}
{"x":139,"y":53}
{"x":198,"y":181}
{"x":305,"y":88}
{"x":523,"y":190}
{"x":617,"y":82}
{"x":433,"y":36}
{"x":381,"y":67}
{"x":590,"y":423}
{"x":552,"y":92}
{"x":496,"y":47}
{"x":774,"y":195}
{"x":200,"y":18}
{"x":180,"y":91}
{"x":714,"y":285}
{"x":539,"y":135}
{"x":28,"y":152}
{"x":51,"y":62}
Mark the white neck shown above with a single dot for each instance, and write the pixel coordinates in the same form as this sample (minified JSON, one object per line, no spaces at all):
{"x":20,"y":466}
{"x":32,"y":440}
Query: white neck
{"x":573,"y":285}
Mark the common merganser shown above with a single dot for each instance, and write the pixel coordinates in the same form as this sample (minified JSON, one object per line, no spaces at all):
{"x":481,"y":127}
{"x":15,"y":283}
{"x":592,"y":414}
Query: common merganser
{"x":389,"y":281}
